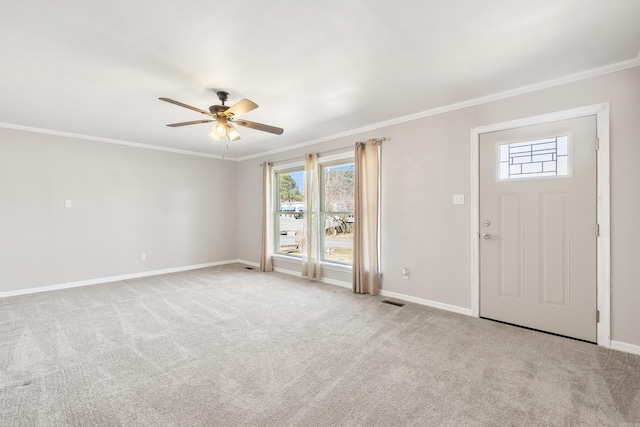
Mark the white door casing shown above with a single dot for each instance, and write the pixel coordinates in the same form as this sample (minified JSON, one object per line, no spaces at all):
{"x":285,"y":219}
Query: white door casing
{"x":601,"y":111}
{"x":538,"y":227}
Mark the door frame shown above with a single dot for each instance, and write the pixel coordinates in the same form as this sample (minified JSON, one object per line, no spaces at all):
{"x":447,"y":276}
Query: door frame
{"x":603,"y":254}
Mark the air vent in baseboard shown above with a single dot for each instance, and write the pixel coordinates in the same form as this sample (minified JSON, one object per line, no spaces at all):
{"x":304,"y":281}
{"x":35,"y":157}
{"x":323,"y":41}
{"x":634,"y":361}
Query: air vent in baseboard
{"x":397,"y":304}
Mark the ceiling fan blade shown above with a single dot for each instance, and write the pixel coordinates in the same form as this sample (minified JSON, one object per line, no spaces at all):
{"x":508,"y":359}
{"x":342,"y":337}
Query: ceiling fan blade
{"x":259,"y":126}
{"x":195,"y":122}
{"x":171,"y":101}
{"x":241,"y":107}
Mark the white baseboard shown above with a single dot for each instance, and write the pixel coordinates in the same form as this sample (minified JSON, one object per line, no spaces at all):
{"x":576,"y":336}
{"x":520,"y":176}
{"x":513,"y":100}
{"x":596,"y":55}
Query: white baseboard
{"x":434,"y":304}
{"x":289,"y":272}
{"x":323,"y":280}
{"x":627,"y":348}
{"x":251,"y":263}
{"x":113,"y":278}
{"x":335,"y":282}
{"x":429,"y":303}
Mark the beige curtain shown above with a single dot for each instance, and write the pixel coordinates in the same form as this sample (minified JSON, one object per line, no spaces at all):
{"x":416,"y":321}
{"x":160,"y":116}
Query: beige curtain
{"x":366,"y":236}
{"x":266,"y":263}
{"x":310,"y":255}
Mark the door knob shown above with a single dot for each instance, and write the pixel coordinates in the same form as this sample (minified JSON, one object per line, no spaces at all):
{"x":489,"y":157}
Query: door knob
{"x":486,"y":235}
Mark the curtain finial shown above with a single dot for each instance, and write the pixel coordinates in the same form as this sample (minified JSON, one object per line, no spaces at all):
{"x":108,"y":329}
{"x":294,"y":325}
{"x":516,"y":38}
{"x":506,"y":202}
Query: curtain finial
{"x":372,"y":141}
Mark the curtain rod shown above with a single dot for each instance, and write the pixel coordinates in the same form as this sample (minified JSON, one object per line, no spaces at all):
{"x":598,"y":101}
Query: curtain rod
{"x":319,"y":154}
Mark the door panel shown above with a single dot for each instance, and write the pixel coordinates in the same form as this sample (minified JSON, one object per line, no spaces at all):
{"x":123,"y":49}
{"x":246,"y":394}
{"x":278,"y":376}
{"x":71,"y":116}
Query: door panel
{"x":555,"y":245}
{"x":510,"y":261}
{"x":538,"y":240}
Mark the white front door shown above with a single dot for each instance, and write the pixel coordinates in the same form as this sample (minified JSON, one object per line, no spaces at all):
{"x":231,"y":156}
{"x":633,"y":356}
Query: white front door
{"x":538,"y":227}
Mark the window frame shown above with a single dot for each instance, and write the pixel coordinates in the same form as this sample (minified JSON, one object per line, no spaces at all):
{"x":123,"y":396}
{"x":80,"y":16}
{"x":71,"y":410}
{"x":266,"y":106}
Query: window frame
{"x":323,"y":161}
{"x":568,"y":134}
{"x":277,"y":171}
{"x":322,"y":165}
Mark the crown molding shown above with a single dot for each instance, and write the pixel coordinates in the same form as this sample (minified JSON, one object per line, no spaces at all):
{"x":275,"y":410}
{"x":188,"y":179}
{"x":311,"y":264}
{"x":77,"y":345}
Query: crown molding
{"x":619,"y":66}
{"x":611,"y":68}
{"x":107,"y":140}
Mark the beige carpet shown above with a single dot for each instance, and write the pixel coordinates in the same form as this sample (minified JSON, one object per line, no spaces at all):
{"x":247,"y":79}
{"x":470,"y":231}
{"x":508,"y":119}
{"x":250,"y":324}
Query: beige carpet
{"x":227,"y":346}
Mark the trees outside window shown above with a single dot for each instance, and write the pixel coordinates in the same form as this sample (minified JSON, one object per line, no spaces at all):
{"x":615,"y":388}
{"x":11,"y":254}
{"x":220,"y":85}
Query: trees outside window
{"x":289,"y":191}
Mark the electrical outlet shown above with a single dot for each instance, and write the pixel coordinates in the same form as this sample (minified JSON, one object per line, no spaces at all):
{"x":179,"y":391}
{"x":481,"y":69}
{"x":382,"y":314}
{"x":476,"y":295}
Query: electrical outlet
{"x":67,"y":203}
{"x":458,"y":199}
{"x":405,"y":273}
{"x":143,"y":256}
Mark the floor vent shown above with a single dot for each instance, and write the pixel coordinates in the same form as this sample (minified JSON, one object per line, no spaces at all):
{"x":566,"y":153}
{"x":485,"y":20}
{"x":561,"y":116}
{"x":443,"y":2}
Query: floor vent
{"x":397,"y":304}
{"x":249,"y":268}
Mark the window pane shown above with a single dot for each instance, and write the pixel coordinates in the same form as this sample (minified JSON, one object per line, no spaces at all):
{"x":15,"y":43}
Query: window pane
{"x":290,"y":239}
{"x":563,"y":145}
{"x":338,"y":188}
{"x":338,"y":206}
{"x":289,"y":212}
{"x":532,"y":159}
{"x":338,"y":237}
{"x":291,"y":190}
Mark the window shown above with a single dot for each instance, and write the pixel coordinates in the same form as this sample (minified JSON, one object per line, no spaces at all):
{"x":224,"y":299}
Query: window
{"x":336,"y":187}
{"x":534,"y":159}
{"x":289,"y":214}
{"x":336,"y":211}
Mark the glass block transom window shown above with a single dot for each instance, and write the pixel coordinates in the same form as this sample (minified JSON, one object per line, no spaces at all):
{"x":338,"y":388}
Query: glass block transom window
{"x":533,"y":159}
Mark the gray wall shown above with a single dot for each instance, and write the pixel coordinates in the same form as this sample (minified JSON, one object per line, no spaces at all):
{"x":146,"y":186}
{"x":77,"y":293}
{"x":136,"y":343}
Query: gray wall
{"x":427,"y":160}
{"x":184,"y":210}
{"x":178,"y":209}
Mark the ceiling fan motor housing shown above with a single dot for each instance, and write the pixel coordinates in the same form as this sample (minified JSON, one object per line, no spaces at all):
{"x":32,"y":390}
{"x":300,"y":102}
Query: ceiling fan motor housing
{"x":214,"y":109}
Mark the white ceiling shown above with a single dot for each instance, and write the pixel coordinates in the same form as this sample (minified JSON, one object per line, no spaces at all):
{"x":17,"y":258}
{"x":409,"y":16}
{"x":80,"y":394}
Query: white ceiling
{"x":317,"y":69}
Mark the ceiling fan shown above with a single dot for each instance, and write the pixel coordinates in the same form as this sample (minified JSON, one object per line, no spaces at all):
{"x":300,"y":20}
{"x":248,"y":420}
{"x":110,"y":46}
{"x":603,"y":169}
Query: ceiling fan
{"x":225,"y":118}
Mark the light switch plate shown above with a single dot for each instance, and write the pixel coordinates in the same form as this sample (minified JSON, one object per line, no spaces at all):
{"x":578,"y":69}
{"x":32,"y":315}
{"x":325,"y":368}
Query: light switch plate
{"x":458,"y":199}
{"x":67,"y":203}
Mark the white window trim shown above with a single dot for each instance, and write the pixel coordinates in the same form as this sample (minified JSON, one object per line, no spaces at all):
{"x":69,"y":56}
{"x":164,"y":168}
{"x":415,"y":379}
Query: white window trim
{"x":335,"y":157}
{"x":276,"y":203}
{"x":346,"y":268}
{"x":331,"y":160}
{"x":322,"y":160}
{"x":284,"y":167}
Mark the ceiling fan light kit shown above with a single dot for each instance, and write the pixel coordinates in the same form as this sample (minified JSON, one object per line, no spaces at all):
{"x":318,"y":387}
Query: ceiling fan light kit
{"x":224,"y":116}
{"x":232,"y":133}
{"x":219,"y":130}
{"x":213,"y":136}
